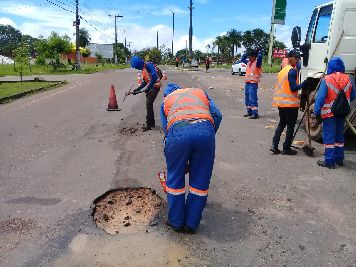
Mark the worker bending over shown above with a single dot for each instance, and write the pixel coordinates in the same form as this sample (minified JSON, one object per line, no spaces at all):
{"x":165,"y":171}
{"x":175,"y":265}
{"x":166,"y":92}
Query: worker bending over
{"x":190,"y":120}
{"x":152,"y":80}
{"x":333,"y":126}
{"x":252,"y":78}
{"x":287,"y":100}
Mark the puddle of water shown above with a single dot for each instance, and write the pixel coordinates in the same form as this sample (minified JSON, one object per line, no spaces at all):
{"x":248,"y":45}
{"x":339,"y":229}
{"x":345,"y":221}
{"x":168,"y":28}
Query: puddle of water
{"x":127,"y":210}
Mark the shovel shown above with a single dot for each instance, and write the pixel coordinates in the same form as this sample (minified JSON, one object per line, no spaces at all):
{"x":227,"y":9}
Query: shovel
{"x":307,"y":148}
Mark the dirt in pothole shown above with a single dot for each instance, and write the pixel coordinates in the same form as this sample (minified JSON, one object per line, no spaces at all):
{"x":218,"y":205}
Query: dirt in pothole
{"x":126,"y":210}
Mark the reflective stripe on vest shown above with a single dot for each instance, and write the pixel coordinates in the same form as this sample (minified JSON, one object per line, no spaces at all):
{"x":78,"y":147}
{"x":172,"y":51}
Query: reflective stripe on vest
{"x":253,"y":73}
{"x":283,"y":96}
{"x":187,"y":104}
{"x":335,"y":82}
{"x":147,"y":77}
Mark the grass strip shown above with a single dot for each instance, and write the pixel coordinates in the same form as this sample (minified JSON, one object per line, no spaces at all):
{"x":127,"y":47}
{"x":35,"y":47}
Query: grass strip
{"x":14,"y":90}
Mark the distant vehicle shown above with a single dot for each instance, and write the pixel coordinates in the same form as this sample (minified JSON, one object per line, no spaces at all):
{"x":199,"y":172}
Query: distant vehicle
{"x":238,"y":67}
{"x":194,"y":63}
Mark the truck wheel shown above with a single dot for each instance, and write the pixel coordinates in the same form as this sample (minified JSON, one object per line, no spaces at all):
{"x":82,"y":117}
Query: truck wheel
{"x":315,"y":127}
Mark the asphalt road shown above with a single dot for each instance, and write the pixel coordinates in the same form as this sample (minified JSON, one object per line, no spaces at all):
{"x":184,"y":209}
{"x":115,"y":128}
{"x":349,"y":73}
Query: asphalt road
{"x":61,"y":149}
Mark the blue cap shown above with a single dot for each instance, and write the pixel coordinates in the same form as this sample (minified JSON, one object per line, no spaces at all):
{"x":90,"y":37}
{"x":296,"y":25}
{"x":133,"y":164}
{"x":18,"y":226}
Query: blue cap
{"x":171,"y":87}
{"x":137,"y":63}
{"x":335,"y":65}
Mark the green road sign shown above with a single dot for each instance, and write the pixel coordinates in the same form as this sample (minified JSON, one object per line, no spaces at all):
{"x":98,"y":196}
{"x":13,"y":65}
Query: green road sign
{"x":279,"y":11}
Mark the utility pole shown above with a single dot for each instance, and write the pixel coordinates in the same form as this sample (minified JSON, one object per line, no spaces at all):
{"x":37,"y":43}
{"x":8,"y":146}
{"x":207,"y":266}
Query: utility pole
{"x":157,"y":39}
{"x":186,"y":50}
{"x":271,"y":35}
{"x":271,"y":39}
{"x":173,"y":36}
{"x":76,"y":24}
{"x":191,"y":29}
{"x":115,"y":53}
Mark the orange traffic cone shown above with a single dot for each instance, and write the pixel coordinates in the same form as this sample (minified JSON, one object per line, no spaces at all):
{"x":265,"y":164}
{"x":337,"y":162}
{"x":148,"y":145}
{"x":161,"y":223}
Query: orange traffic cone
{"x":139,"y":78}
{"x":164,"y":75}
{"x":112,"y":106}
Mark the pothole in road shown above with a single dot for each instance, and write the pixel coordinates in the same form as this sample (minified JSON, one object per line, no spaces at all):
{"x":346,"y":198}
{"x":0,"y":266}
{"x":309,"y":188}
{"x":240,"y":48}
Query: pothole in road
{"x":126,"y":210}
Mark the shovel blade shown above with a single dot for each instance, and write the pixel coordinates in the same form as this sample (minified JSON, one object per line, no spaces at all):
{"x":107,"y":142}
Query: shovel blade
{"x":308,"y":150}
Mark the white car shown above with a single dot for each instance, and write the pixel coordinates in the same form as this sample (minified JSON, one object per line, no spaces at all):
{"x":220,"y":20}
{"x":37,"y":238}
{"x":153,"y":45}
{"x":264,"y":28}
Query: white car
{"x":194,"y":63}
{"x":238,"y":67}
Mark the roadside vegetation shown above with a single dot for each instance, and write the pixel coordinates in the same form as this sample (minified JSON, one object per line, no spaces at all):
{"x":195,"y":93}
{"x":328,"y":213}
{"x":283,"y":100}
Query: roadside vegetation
{"x":10,"y":70}
{"x":11,"y":90}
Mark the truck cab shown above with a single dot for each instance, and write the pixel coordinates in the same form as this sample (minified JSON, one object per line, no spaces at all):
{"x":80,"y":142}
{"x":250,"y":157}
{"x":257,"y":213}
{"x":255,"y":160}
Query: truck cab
{"x":331,"y":32}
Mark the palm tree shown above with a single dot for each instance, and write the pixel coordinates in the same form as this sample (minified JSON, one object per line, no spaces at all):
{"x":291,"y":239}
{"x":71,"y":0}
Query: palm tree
{"x":235,"y":38}
{"x":84,"y":37}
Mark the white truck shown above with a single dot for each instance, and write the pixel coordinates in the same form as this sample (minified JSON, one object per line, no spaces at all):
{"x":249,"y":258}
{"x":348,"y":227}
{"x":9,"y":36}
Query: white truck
{"x":331,"y":32}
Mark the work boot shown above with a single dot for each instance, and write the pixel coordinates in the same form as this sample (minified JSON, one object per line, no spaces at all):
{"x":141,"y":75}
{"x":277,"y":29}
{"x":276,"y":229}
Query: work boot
{"x":189,"y":230}
{"x":290,"y":152}
{"x":146,"y":128}
{"x":340,"y":163}
{"x":254,"y":116}
{"x":247,"y":115}
{"x":322,"y":163}
{"x":275,"y":150}
{"x":175,"y":229}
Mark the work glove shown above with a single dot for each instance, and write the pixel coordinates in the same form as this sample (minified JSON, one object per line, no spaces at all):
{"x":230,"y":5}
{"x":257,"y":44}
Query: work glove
{"x":136,"y":91}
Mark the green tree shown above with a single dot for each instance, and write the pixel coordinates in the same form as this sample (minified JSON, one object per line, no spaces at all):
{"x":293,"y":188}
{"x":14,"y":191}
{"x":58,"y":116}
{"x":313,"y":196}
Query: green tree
{"x":10,"y":39}
{"x":86,"y":53}
{"x":235,"y":40}
{"x":100,"y":58}
{"x":278,"y":44}
{"x":151,"y":54}
{"x":84,"y":37}
{"x":22,"y":56}
{"x":53,"y":47}
{"x":255,"y":39}
{"x":166,"y":53}
{"x":122,"y":52}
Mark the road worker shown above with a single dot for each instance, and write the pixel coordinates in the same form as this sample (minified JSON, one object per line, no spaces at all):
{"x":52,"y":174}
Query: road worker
{"x":252,"y":78}
{"x":190,"y":120}
{"x":151,"y":79}
{"x":287,"y":100}
{"x":333,"y":127}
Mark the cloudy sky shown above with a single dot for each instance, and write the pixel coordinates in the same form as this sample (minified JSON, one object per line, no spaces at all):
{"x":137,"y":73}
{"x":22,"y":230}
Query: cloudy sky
{"x":142,"y":19}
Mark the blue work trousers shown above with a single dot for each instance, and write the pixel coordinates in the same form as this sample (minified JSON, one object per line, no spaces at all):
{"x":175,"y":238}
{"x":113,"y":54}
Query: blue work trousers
{"x":251,"y":100}
{"x":333,"y":138}
{"x":193,"y":143}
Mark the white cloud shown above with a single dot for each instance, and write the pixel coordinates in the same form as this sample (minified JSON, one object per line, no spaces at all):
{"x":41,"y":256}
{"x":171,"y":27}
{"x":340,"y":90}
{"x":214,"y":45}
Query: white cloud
{"x":7,"y":21}
{"x":43,"y":19}
{"x":283,"y":34}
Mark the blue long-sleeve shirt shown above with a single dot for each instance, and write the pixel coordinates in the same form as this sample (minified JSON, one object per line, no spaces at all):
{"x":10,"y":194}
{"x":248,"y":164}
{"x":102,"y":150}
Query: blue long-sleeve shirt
{"x":244,"y":59}
{"x":214,"y":111}
{"x":152,"y":70}
{"x":323,"y":92}
{"x":292,"y":79}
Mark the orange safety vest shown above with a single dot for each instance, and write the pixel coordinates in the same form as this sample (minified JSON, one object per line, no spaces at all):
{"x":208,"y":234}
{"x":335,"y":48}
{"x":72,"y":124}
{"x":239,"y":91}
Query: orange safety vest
{"x":253,"y":73}
{"x":283,"y":96}
{"x":187,"y":104}
{"x":147,"y":77}
{"x":335,"y":82}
